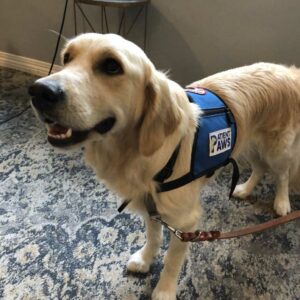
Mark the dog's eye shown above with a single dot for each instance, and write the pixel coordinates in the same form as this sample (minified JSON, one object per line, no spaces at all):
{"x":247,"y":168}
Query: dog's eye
{"x":66,"y":58}
{"x":111,"y":67}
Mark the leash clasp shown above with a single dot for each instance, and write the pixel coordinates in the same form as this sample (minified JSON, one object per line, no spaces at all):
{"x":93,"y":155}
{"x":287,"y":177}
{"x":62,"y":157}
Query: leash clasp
{"x":155,"y":216}
{"x":176,"y":232}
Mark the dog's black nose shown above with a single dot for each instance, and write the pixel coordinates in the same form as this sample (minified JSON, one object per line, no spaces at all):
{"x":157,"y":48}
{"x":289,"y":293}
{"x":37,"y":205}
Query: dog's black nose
{"x":46,"y":94}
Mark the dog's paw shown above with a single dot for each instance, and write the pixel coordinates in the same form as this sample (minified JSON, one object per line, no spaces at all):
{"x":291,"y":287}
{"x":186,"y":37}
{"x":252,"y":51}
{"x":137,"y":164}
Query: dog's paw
{"x":164,"y":294}
{"x":282,"y":207}
{"x":240,"y":191}
{"x":138,"y":263}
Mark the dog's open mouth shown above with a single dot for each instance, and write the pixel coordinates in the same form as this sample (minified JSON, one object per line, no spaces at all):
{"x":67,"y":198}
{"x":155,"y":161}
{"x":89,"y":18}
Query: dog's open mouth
{"x":61,"y":136}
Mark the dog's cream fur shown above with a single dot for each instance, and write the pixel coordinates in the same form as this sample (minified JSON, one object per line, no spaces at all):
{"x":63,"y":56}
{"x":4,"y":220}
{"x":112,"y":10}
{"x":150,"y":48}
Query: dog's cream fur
{"x":153,"y":114}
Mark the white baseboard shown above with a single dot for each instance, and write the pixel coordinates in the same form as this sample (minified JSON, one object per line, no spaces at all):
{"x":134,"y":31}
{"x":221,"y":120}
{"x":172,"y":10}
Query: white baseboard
{"x":25,"y":64}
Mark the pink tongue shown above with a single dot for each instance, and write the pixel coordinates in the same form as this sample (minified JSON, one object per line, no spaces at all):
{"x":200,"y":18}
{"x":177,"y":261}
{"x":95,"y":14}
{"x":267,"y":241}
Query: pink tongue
{"x":57,"y":129}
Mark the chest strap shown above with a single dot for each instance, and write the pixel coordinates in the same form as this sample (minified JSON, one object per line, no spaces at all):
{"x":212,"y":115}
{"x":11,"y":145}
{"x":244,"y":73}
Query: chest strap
{"x":167,"y":171}
{"x":188,"y":177}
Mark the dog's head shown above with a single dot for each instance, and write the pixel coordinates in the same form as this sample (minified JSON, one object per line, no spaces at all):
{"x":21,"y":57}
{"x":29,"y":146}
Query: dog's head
{"x":107,"y":86}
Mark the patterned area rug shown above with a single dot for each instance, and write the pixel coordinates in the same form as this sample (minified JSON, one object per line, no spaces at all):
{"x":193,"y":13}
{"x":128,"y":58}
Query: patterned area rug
{"x":62,"y":238}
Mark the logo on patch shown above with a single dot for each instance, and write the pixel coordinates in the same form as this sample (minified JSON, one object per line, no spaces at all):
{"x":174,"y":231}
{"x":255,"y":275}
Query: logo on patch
{"x":219,"y":141}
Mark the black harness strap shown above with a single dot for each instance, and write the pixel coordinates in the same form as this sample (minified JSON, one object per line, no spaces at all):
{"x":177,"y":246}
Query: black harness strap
{"x":176,"y":183}
{"x":123,"y":205}
{"x":188,"y":177}
{"x":235,"y":175}
{"x":167,"y":170}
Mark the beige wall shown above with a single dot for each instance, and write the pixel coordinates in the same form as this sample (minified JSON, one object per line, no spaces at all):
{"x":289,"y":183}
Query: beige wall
{"x":192,"y":38}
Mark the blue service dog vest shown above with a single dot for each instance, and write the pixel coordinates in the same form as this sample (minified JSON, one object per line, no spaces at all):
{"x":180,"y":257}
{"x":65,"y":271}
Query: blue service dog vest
{"x":213,"y":143}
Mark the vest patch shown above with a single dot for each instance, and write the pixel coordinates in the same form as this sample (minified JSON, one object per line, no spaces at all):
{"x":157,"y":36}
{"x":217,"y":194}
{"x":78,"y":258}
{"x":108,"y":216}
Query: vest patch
{"x":219,"y":141}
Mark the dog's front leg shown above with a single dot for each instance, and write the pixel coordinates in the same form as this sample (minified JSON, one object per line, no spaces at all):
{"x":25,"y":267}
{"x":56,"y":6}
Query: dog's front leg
{"x":141,"y":260}
{"x":166,"y":287}
{"x":282,"y":204}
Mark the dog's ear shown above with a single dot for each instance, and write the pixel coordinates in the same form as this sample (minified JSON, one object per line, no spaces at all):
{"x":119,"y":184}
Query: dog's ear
{"x":161,"y":115}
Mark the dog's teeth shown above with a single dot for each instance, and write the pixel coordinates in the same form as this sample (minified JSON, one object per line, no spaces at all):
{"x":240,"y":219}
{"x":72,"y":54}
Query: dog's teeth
{"x":62,"y":136}
{"x":57,"y":136}
{"x":69,"y":132}
{"x":52,"y":135}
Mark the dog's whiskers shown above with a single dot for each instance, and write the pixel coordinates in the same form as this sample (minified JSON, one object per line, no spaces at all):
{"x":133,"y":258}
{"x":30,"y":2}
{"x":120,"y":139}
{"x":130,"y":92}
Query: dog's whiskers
{"x":58,"y":34}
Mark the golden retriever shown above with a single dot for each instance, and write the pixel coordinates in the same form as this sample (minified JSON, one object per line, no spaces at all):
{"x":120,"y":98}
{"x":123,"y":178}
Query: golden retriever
{"x":130,"y":117}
